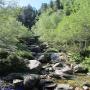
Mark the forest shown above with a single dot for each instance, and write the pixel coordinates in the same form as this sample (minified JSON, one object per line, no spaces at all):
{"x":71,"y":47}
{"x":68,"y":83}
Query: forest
{"x":61,"y":27}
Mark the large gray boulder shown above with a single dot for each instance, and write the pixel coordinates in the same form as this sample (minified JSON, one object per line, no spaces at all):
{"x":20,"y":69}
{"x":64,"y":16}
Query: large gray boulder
{"x":34,"y":64}
{"x":59,"y":57}
{"x":31,"y":81}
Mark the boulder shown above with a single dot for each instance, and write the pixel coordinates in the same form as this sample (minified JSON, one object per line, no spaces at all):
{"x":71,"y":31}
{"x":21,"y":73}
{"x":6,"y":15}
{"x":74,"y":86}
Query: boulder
{"x":61,"y":74}
{"x":58,"y":66}
{"x":35,"y":48}
{"x":47,"y":84}
{"x":34,"y":65}
{"x":80,"y":69}
{"x":44,"y":46}
{"x":86,"y":86}
{"x":31,"y":81}
{"x":42,"y":59}
{"x":13,"y":76}
{"x":46,"y":69}
{"x":61,"y":57}
{"x":63,"y":67}
{"x":64,"y":87}
{"x":18,"y":84}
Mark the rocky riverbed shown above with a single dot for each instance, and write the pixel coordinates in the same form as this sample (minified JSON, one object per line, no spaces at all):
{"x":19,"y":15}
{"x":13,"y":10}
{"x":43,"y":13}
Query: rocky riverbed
{"x":49,"y":70}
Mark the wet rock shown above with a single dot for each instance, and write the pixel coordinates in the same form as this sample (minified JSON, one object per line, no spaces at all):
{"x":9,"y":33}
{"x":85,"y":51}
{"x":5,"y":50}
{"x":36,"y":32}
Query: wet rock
{"x":12,"y":76}
{"x":35,"y":48}
{"x":31,"y":81}
{"x":50,"y":86}
{"x":18,"y":84}
{"x":17,"y":81}
{"x":47,"y":84}
{"x":64,"y":87}
{"x":34,"y":65}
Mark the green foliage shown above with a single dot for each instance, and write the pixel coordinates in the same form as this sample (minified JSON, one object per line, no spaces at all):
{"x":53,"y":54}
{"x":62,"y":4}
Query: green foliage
{"x":58,"y":29}
{"x":11,"y":30}
{"x":25,"y":54}
{"x":27,"y":16}
{"x":3,"y":53}
{"x":76,"y":57}
{"x":46,"y":25}
{"x":51,"y":50}
{"x":86,"y":63}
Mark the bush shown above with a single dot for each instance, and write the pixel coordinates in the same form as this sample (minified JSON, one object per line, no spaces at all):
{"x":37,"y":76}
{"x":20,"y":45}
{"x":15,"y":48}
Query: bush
{"x":51,"y":50}
{"x":12,"y":63}
{"x":3,"y":53}
{"x":17,"y":63}
{"x":25,"y":54}
{"x":75,"y":57}
{"x":86,"y":63}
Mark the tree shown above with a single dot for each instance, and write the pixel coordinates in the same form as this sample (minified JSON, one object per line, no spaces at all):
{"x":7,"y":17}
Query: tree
{"x":51,"y":4}
{"x":57,"y":4}
{"x":44,"y":7}
{"x":27,"y":16}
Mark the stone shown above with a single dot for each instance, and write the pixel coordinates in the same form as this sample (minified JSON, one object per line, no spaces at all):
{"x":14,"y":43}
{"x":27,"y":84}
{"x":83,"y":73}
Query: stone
{"x":42,"y":59}
{"x":34,"y":65}
{"x":35,"y":48}
{"x":31,"y":81}
{"x":58,"y":66}
{"x":18,"y":84}
{"x":59,"y":57}
{"x":63,"y":67}
{"x":64,"y":87}
{"x":62,"y":75}
{"x":85,"y":87}
{"x":79,"y":69}
{"x":78,"y":88}
{"x":47,"y":84}
{"x":12,"y":76}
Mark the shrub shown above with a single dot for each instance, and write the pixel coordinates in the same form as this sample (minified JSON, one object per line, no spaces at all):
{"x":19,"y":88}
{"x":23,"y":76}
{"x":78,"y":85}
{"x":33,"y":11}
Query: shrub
{"x":24,"y":54}
{"x":3,"y":53}
{"x":75,"y":57}
{"x":51,"y":50}
{"x":17,"y":63}
{"x":86,"y":63}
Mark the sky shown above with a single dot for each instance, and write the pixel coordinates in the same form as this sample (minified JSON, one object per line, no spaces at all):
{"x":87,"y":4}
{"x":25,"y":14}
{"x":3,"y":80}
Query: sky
{"x":33,"y":3}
